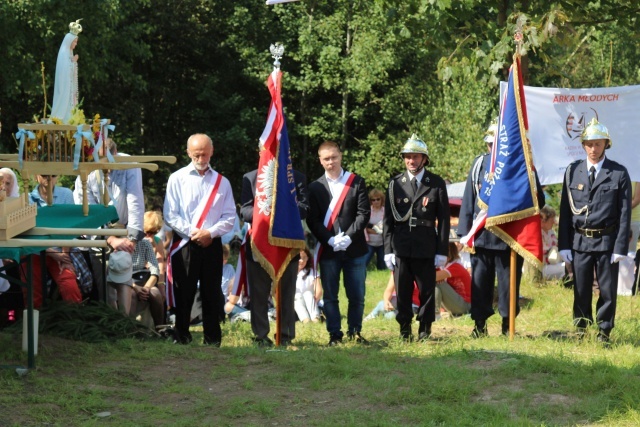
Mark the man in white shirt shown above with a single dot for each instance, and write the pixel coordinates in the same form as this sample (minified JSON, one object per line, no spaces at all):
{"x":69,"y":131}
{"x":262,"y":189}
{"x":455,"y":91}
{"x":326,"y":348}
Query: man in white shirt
{"x":199,"y":207}
{"x":125,"y":193}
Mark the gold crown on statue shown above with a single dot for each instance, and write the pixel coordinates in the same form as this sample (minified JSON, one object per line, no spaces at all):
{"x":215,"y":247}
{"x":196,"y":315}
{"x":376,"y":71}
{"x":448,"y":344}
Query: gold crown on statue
{"x":75,"y":28}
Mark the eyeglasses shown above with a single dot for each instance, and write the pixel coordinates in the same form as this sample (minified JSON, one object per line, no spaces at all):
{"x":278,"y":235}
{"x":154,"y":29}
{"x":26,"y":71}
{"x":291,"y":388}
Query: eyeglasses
{"x":376,"y":200}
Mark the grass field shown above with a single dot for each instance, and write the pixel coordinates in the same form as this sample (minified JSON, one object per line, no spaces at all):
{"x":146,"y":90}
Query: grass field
{"x":545,"y":376}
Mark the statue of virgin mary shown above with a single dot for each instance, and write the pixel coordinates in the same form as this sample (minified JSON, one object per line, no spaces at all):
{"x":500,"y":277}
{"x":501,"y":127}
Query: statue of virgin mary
{"x":65,"y":90}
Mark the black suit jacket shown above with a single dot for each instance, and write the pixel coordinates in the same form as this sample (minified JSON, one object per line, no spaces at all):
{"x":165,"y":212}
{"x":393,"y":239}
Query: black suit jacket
{"x":609,"y":202}
{"x":418,"y":241}
{"x":249,"y":191}
{"x":352,"y":219}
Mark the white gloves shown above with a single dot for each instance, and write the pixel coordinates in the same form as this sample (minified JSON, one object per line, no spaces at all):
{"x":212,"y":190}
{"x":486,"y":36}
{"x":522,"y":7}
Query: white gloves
{"x":390,"y":260}
{"x":566,"y":255}
{"x":335,"y":239}
{"x":340,"y":242}
{"x":440,"y":261}
{"x":615,"y":258}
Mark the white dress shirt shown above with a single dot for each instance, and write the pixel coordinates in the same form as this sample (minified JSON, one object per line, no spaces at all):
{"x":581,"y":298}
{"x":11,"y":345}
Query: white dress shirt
{"x":125,"y":193}
{"x":185,"y":189}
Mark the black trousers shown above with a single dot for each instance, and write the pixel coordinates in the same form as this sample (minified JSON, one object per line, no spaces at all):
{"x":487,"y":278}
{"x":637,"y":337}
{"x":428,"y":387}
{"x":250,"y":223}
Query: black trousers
{"x":423,"y":272}
{"x":259,"y":291}
{"x":193,"y":264}
{"x":584,"y":264}
{"x":486,"y":264}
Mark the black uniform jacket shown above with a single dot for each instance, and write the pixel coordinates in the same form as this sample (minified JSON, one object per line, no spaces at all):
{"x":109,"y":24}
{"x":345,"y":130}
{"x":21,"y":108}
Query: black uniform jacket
{"x":428,"y":234}
{"x":609,"y":206}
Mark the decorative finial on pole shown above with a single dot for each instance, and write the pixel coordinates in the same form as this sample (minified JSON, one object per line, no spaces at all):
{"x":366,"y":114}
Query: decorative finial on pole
{"x":277,"y":50}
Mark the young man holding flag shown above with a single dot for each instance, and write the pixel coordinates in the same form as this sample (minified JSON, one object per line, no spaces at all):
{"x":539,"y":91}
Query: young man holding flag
{"x":200,"y":209}
{"x":504,"y":196}
{"x":339,"y":213}
{"x":257,"y":277}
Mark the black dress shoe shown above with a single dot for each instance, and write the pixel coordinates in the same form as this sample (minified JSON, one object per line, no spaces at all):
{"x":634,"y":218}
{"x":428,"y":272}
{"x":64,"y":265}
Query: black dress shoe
{"x":424,"y":336}
{"x":263,"y":342}
{"x":408,"y":338}
{"x":480,"y":330}
{"x":334,"y":341}
{"x":357,"y":338}
{"x":603,"y":337}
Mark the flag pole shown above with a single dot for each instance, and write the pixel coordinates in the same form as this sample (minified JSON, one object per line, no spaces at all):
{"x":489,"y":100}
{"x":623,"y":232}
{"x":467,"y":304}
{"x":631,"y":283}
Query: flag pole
{"x":512,"y":295}
{"x":278,"y":312}
{"x":277,"y":50}
{"x":517,"y":37}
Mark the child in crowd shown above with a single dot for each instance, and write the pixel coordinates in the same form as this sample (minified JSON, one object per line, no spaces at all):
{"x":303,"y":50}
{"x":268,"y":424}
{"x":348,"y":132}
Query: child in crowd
{"x":308,"y":289}
{"x":553,"y":267}
{"x":453,"y":285}
{"x":388,"y":307}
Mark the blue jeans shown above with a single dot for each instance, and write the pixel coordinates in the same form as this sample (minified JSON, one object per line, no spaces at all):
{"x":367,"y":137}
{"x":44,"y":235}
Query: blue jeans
{"x":354,"y":271}
{"x":379,"y":251}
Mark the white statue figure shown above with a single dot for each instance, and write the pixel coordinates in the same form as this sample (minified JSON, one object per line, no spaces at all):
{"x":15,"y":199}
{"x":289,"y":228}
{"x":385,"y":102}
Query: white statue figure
{"x":65,"y":90}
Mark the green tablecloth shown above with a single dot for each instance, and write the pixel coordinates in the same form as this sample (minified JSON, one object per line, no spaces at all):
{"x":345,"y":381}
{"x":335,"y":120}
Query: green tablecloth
{"x":62,"y":216}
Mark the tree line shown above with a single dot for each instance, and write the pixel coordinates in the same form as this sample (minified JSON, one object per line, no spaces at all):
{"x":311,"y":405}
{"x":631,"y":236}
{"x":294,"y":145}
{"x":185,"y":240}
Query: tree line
{"x":364,"y":73}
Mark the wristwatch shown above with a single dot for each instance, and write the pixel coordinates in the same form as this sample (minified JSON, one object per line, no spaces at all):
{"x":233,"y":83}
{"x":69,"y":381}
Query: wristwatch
{"x":132,"y":238}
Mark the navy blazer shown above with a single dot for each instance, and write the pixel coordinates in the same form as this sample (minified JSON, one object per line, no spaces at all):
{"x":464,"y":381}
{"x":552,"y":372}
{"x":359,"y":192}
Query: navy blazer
{"x":609,"y":205}
{"x":470,"y":209}
{"x":352,"y":219}
{"x":418,"y":241}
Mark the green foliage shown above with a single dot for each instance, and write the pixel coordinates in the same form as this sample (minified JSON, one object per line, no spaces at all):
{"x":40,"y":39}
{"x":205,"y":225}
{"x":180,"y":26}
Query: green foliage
{"x":91,"y":322}
{"x":366,"y":74}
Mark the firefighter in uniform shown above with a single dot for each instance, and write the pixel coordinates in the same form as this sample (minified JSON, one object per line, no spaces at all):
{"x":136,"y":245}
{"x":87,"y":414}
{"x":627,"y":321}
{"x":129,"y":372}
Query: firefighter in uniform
{"x":593,"y":234}
{"x":416,"y":235}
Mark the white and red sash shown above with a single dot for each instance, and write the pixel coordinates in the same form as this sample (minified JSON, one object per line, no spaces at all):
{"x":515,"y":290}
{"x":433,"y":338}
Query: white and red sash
{"x":337,"y":201}
{"x":201,"y":213}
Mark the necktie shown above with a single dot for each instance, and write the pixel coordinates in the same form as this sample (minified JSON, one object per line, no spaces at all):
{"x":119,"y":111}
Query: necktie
{"x":592,"y":175}
{"x":414,"y":185}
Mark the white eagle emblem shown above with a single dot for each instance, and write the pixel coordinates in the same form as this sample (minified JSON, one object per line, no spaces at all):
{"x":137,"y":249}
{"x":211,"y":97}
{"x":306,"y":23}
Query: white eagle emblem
{"x":264,"y":192}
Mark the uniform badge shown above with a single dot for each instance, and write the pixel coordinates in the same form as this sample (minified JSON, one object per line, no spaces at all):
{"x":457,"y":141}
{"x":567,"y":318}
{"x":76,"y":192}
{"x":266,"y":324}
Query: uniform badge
{"x":404,"y":179}
{"x":406,"y":200}
{"x":580,"y":187}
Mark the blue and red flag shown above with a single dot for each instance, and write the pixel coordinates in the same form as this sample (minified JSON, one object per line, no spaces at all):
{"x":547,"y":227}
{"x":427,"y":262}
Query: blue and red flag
{"x":509,"y":191}
{"x":276,"y":232}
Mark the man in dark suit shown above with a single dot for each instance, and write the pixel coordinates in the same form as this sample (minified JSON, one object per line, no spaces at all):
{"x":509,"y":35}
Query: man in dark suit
{"x":339,"y":213}
{"x":492,"y":255}
{"x":259,"y":280}
{"x":595,"y":216}
{"x":416,"y":235}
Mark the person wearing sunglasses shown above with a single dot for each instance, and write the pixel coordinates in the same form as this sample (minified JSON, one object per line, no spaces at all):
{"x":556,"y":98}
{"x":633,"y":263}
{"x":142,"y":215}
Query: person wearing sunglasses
{"x":374,"y":229}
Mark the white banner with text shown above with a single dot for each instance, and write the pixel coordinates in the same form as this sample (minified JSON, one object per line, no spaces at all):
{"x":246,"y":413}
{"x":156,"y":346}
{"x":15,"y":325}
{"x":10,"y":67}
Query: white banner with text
{"x":558,"y":116}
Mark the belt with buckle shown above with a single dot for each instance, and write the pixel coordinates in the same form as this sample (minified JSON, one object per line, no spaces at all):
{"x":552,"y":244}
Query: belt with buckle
{"x":415,"y":222}
{"x":596,"y":232}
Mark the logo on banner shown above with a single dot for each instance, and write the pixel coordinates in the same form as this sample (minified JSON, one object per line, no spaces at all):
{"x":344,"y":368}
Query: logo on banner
{"x":576,"y":122}
{"x":264,"y":192}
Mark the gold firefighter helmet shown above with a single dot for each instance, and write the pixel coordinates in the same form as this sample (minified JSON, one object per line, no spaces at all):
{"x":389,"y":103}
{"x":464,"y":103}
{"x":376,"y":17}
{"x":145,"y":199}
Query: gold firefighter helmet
{"x":415,"y":145}
{"x":595,"y":130}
